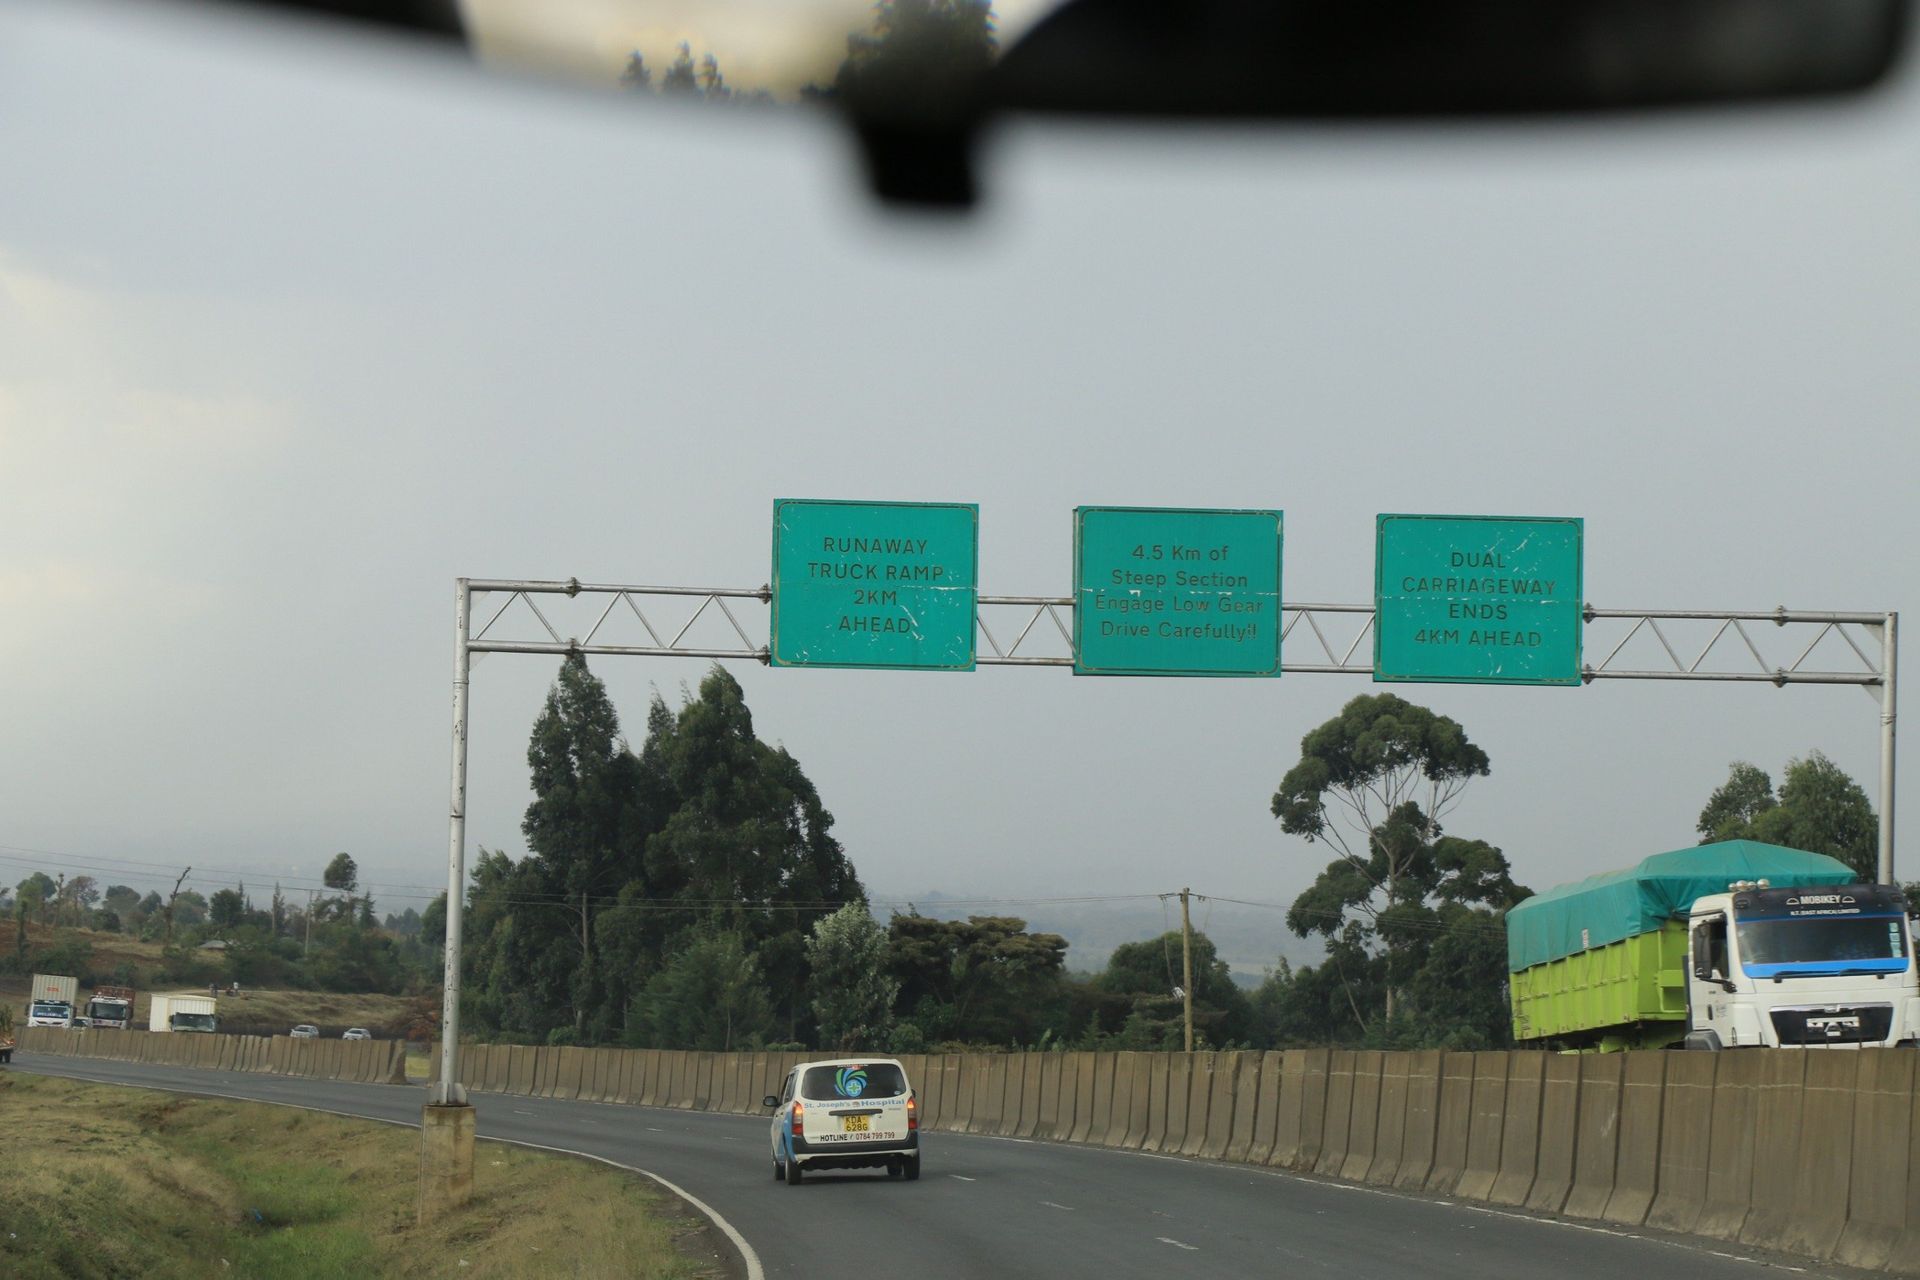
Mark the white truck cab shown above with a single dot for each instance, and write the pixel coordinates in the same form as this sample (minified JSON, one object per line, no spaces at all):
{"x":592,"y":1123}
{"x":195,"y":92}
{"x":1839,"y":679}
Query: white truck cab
{"x":1823,"y":966}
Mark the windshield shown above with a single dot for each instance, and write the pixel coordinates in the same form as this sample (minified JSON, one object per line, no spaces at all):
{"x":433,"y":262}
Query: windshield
{"x":193,"y":1022}
{"x":111,"y":1010}
{"x":854,"y":1080}
{"x":50,"y":1011}
{"x":1859,"y":944}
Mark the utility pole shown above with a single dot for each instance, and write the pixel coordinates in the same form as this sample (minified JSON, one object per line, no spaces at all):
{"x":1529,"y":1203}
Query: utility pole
{"x":170,"y":898}
{"x":308,"y":944}
{"x":1186,"y":965}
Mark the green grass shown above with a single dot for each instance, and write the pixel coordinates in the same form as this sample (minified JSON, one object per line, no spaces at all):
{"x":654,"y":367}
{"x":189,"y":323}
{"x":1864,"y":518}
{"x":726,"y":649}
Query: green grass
{"x":98,"y":1181}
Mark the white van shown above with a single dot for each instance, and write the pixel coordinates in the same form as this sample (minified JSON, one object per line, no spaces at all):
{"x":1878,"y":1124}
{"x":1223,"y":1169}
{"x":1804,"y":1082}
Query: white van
{"x":846,"y":1113}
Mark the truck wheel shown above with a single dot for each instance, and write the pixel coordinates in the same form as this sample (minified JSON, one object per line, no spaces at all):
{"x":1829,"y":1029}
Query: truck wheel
{"x":793,"y":1172}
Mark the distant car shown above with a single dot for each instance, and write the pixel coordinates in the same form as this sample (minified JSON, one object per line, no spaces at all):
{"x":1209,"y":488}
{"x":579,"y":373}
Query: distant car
{"x":305,"y":1031}
{"x":81,"y":1022}
{"x":356,"y":1033}
{"x":846,"y":1114}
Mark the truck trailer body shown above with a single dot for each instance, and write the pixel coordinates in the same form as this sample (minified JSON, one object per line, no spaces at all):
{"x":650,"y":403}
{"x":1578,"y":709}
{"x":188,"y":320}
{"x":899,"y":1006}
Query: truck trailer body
{"x":1729,"y":945}
{"x":182,"y":1013}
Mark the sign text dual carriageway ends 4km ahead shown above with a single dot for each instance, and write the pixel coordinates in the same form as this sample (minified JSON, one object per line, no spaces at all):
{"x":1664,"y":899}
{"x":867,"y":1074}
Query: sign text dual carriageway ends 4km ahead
{"x":1176,"y":591}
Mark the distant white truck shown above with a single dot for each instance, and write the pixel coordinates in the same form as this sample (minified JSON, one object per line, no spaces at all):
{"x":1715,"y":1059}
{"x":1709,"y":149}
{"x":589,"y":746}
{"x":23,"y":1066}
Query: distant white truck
{"x":111,"y":1008}
{"x":182,"y":1013}
{"x":51,"y":1001}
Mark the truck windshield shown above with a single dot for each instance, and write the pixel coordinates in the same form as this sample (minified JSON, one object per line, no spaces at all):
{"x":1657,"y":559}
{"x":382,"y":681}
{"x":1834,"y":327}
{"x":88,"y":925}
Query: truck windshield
{"x":50,"y":1011}
{"x":193,"y":1022}
{"x":1857,"y":944}
{"x":109,"y":1010}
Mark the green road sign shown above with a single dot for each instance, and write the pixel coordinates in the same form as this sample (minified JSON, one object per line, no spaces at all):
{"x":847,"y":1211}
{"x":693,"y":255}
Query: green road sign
{"x":1172,"y":592}
{"x":1477,"y":599}
{"x":874,"y":584}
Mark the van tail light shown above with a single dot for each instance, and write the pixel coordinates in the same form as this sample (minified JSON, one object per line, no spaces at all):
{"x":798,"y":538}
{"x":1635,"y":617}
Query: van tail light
{"x":913,"y":1113}
{"x":799,"y":1114}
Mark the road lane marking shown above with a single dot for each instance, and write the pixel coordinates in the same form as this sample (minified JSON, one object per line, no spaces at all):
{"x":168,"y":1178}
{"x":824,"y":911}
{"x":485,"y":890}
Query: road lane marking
{"x":960,"y":1177}
{"x":1190,"y":1248}
{"x":519,"y":1112}
{"x":1051,"y":1205}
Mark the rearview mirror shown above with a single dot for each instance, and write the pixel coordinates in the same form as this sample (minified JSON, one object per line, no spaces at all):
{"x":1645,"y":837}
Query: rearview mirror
{"x":769,"y":1101}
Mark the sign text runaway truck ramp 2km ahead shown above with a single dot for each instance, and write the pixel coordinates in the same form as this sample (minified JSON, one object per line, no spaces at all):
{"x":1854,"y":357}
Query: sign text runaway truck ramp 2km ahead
{"x":859,"y":584}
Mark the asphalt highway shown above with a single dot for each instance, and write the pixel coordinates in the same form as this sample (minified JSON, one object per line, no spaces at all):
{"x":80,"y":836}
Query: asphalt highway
{"x":1001,"y":1208}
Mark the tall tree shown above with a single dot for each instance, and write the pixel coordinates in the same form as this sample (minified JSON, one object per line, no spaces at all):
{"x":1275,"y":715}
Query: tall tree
{"x":710,"y":996}
{"x":1149,"y":973}
{"x":853,"y":992}
{"x":983,"y":980}
{"x":1373,"y":783}
{"x":1819,"y":808}
{"x":582,"y":826}
{"x":226,"y":908}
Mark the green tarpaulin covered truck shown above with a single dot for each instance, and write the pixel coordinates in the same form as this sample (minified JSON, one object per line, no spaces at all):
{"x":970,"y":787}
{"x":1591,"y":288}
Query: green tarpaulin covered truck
{"x":1606,"y":963}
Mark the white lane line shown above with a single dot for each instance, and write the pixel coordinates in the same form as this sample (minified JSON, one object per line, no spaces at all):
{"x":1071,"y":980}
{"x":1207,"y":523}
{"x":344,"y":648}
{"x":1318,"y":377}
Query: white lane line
{"x":519,"y":1112}
{"x":752,"y":1260}
{"x":960,"y":1177}
{"x":1051,"y":1205}
{"x":1190,"y":1248}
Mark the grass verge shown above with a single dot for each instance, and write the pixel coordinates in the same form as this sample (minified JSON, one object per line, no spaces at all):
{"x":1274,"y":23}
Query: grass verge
{"x":100,"y":1181}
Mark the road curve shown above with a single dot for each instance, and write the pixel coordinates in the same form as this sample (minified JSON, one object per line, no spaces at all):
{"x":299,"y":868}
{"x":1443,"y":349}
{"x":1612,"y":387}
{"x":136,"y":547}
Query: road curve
{"x":1001,"y":1208}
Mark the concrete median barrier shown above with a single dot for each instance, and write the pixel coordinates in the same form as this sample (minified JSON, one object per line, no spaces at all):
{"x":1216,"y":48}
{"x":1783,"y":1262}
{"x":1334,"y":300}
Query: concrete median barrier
{"x":522,"y":1069}
{"x":1488,"y":1125}
{"x":1143,"y":1105}
{"x":1246,"y":1106}
{"x":1816,"y":1214}
{"x":956,"y":1092}
{"x":1223,"y":1072}
{"x":1179,"y":1101}
{"x":1082,"y":1066}
{"x":1559,"y":1134}
{"x":1101,"y":1112}
{"x":1883,"y":1213}
{"x":1390,"y":1130}
{"x":1596,"y":1135}
{"x":1115,"y":1133}
{"x":1453,"y":1124}
{"x":277,"y":1055}
{"x":229,"y":1045}
{"x":1363,"y":1128}
{"x":1686,"y":1129}
{"x":496,"y":1079}
{"x":1266,"y":1108}
{"x":1520,"y":1129}
{"x":1337,"y":1114}
{"x":1287,"y":1117}
{"x":1033,"y":1072}
{"x":653,"y":1084}
{"x":680,"y":1070}
{"x":1013,"y":1101}
{"x":705,"y":1073}
{"x":1314,"y":1079}
{"x":1732,"y":1136}
{"x":988,"y":1072}
{"x":1159,"y":1073}
{"x":1774,"y":1198}
{"x":1199,"y":1101}
{"x":1636,"y":1171}
{"x":1424,"y":1070}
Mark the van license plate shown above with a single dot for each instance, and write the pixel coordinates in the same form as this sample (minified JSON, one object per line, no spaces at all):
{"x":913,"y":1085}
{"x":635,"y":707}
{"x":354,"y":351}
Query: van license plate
{"x":854,"y":1124}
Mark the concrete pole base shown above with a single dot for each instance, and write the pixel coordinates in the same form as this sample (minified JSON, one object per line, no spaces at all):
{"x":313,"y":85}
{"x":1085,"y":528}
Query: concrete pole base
{"x":446,"y":1160}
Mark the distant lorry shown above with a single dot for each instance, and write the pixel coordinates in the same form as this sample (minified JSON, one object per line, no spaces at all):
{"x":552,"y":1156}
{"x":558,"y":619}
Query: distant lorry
{"x":51,"y":1002}
{"x":1730,"y":945}
{"x":182,"y":1013}
{"x":111,"y":1007}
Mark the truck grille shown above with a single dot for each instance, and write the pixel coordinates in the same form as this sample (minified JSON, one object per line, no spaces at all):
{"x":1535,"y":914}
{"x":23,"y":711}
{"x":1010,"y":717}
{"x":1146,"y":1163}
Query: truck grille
{"x":1862,"y":1024}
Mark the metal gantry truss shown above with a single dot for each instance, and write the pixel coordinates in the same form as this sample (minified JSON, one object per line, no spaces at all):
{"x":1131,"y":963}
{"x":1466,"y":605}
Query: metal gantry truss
{"x":1037,"y":631}
{"x":1774,"y":646}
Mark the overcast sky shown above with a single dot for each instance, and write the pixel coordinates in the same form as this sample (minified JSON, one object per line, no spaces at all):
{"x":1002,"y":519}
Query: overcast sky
{"x":292,"y":333}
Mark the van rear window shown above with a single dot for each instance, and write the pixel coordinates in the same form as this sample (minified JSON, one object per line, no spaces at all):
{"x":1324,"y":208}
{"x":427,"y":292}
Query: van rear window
{"x":850,"y":1080}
